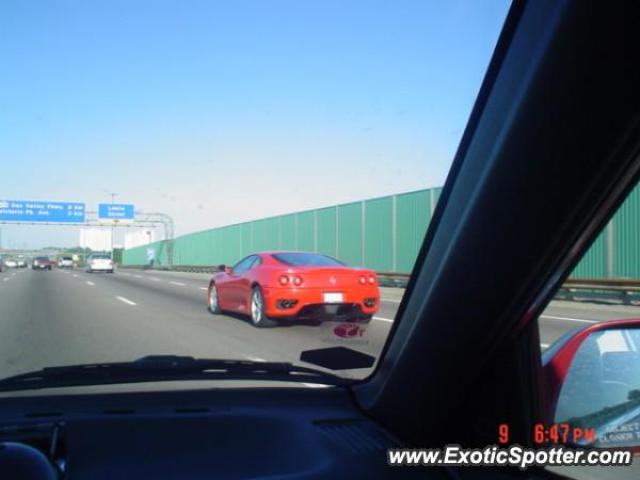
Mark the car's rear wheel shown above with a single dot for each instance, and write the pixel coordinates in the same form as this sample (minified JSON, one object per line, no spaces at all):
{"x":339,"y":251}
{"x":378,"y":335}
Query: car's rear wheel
{"x":214,"y":302}
{"x":258,"y":310}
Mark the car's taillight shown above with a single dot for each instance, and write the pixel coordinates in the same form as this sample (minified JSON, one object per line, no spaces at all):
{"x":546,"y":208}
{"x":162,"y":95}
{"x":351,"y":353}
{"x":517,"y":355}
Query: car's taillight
{"x":283,"y":279}
{"x":363,"y":279}
{"x":372,"y":279}
{"x":297,"y":280}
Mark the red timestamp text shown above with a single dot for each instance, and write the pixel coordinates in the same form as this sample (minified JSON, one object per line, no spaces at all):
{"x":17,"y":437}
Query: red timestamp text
{"x":560,"y":433}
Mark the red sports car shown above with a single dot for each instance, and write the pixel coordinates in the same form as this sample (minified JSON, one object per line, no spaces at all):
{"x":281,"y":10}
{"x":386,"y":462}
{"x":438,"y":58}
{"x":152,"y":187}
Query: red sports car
{"x":271,"y":286}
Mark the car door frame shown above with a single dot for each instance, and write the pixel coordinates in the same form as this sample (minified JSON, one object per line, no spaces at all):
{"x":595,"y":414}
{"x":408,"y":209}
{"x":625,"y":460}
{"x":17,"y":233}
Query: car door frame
{"x":545,"y":160}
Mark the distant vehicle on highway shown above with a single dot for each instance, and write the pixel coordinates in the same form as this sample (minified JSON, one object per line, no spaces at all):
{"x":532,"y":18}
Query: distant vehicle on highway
{"x":21,"y":261}
{"x":10,"y":263}
{"x":41,"y":263}
{"x":272,"y":286}
{"x":100,"y":262}
{"x":65,"y":262}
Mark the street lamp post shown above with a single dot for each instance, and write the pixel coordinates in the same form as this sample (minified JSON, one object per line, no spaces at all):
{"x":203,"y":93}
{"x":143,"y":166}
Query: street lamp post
{"x":113,"y":197}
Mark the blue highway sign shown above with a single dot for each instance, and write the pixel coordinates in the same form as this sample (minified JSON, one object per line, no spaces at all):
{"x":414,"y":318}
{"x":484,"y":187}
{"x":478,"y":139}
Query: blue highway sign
{"x":39,"y":211}
{"x":115,"y":211}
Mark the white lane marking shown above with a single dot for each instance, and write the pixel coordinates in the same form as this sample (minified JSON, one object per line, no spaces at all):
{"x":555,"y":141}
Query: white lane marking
{"x":178,"y":283}
{"x":75,"y":276}
{"x":155,"y":279}
{"x":204,"y":288}
{"x":126,"y":300}
{"x":6,"y":279}
{"x":582,"y":320}
{"x":382,"y":319}
{"x":90,"y":283}
{"x":138,"y":276}
{"x":392,"y":300}
{"x":125,"y":274}
{"x":13,"y":274}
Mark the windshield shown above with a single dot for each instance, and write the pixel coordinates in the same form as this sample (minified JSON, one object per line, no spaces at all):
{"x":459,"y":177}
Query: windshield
{"x":207,"y":149}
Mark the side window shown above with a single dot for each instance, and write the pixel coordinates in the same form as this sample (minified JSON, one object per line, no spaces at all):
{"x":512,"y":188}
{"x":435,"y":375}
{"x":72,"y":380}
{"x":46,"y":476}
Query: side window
{"x":244,"y":264}
{"x":256,"y":262}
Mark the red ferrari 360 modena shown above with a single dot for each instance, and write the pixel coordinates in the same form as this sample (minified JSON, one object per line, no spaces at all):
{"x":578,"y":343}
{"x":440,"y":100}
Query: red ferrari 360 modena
{"x":271,"y":286}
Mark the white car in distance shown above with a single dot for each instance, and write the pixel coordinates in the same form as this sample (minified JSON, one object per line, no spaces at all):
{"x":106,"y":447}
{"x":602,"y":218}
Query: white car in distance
{"x":65,"y":262}
{"x":100,"y":262}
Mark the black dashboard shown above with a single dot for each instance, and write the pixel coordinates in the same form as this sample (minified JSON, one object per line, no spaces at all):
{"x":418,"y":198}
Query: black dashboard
{"x":275,"y":433}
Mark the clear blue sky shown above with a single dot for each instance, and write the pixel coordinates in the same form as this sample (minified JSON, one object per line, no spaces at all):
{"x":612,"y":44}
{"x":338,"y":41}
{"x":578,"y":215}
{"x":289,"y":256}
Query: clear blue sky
{"x":218,"y":112}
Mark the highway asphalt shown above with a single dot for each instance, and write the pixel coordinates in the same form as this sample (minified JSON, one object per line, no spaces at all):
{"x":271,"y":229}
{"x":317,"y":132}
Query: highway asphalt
{"x":64,"y":317}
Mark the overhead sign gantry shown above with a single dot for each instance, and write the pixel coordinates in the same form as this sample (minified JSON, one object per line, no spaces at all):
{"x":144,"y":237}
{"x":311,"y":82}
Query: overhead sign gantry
{"x":75,"y":214}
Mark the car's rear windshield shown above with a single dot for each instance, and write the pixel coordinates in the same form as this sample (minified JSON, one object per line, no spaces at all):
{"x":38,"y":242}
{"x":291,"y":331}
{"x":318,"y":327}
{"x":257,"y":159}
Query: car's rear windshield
{"x":42,"y":258}
{"x":299,"y":259}
{"x":67,"y":258}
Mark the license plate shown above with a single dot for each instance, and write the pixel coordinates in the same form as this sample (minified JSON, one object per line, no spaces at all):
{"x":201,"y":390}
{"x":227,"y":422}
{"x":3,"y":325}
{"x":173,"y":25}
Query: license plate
{"x":333,"y":298}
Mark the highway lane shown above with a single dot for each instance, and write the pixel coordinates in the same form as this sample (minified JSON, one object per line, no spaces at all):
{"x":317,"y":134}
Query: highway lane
{"x":68,"y":317}
{"x":391,"y":296}
{"x":559,"y":317}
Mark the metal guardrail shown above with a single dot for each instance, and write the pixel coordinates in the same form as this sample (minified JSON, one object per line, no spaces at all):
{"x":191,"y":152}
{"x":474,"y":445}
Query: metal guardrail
{"x":174,"y":268}
{"x":391,"y":279}
{"x":615,"y":282}
{"x":618,"y":290}
{"x":386,"y":279}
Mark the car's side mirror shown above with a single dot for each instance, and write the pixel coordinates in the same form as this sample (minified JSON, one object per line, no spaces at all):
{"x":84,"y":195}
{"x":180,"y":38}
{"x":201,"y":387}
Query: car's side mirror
{"x":593,"y":384}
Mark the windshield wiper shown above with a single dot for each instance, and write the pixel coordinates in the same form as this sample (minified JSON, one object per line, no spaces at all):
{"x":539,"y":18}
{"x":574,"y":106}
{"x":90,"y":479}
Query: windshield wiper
{"x":167,"y":368}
